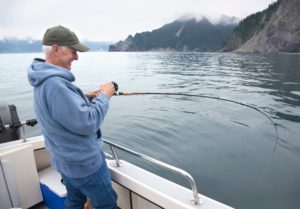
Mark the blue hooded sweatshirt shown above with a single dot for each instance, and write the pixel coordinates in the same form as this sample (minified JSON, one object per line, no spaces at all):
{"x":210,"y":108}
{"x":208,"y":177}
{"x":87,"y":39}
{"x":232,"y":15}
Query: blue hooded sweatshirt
{"x":69,"y":121}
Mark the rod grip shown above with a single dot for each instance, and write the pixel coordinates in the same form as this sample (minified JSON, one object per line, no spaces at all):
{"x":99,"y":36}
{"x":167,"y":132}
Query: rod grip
{"x":125,"y":93}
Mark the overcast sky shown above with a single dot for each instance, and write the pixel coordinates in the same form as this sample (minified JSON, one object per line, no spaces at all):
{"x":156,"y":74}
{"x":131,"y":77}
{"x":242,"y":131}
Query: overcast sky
{"x":111,"y":20}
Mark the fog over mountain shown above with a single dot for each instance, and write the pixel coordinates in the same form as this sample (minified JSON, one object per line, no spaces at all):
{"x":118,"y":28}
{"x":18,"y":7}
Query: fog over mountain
{"x":112,"y":20}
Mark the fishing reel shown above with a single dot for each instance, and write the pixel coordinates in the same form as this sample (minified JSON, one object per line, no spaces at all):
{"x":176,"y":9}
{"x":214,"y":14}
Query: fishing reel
{"x":115,"y":86}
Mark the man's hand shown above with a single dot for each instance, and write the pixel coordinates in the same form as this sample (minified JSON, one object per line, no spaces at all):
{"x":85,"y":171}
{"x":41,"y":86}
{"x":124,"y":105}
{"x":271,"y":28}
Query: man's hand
{"x":108,"y":89}
{"x":93,"y":94}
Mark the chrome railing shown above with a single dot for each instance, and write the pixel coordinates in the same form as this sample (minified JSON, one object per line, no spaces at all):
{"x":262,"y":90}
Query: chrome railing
{"x":196,"y":198}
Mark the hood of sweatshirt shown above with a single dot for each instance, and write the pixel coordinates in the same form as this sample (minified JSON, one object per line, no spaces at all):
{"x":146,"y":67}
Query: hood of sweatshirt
{"x":39,"y":71}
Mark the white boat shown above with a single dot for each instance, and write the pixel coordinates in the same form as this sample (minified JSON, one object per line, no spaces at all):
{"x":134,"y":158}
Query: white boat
{"x":28,"y":181}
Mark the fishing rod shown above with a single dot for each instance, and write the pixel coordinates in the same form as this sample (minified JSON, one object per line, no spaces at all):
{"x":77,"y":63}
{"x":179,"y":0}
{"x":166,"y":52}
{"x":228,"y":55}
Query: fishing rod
{"x":126,"y":93}
{"x":216,"y":98}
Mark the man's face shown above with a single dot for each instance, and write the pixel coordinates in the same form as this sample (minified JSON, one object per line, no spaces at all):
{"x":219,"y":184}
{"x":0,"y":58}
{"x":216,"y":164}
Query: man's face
{"x":65,"y":56}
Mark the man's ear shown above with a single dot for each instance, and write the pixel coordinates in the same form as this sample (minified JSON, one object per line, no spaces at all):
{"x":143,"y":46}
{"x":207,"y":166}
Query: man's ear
{"x":55,"y":49}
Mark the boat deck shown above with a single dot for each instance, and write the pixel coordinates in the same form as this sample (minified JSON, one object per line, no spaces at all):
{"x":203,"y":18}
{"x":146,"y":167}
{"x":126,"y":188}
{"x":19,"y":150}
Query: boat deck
{"x":136,"y":187}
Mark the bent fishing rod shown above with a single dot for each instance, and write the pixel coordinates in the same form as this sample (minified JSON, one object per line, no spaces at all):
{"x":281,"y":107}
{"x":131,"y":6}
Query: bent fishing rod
{"x":125,"y":93}
{"x":215,"y":98}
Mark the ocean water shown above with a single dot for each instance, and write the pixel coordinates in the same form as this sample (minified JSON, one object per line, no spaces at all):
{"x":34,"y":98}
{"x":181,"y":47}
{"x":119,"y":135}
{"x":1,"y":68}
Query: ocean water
{"x":232,"y":151}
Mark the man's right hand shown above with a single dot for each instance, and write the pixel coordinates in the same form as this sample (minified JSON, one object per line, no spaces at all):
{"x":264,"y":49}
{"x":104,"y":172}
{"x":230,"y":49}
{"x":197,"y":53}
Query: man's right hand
{"x":108,"y":89}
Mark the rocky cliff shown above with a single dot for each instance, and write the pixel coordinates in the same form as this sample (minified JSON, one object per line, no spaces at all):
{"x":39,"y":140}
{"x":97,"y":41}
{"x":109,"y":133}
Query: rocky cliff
{"x":276,"y":29}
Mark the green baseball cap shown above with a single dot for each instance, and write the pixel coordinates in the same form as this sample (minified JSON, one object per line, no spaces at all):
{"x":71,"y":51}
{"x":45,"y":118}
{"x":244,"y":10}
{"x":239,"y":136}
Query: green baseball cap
{"x":63,"y":36}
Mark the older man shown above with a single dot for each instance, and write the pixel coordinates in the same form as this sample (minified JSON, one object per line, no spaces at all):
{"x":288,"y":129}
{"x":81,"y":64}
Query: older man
{"x":70,"y":121}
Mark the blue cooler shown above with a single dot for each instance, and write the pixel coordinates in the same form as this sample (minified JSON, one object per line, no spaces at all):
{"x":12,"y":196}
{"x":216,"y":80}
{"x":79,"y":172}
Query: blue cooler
{"x":54,"y":192}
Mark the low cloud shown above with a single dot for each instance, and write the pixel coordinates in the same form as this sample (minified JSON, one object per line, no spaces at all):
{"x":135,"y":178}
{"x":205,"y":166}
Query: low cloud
{"x":112,"y":20}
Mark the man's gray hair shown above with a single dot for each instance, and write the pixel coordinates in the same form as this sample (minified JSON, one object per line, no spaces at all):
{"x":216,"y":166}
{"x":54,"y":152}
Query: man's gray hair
{"x":47,"y":49}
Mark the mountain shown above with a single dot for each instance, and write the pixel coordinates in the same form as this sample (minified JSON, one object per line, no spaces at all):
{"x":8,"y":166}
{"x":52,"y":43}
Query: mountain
{"x":13,"y":45}
{"x":98,"y":46}
{"x":276,"y":29}
{"x":180,"y":35}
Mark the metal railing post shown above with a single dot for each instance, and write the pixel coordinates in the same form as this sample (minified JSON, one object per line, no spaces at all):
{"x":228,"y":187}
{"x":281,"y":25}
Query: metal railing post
{"x":118,"y":162}
{"x":24,"y":134}
{"x":196,"y":198}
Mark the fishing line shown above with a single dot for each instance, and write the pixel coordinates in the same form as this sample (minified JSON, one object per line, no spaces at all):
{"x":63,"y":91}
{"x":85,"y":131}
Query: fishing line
{"x":208,"y":97}
{"x":216,"y":98}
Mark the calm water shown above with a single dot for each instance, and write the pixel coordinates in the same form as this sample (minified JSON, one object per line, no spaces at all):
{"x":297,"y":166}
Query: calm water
{"x":231,"y":150}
